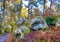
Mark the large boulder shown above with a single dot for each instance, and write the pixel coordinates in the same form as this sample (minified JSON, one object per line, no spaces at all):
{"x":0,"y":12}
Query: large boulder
{"x":39,"y":24}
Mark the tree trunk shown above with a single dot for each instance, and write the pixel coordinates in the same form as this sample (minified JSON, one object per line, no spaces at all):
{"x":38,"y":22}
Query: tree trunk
{"x":28,"y":11}
{"x":51,"y":4}
{"x":44,"y":7}
{"x":20,"y":10}
{"x":3,"y":7}
{"x":50,"y":7}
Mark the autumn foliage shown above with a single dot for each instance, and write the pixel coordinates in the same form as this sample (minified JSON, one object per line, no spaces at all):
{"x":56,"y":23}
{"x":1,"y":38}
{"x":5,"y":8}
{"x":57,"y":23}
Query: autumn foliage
{"x":52,"y":35}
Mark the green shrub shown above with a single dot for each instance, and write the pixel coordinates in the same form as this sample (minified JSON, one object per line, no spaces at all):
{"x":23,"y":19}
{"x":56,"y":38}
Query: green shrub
{"x":6,"y":30}
{"x":51,"y":20}
{"x":0,"y":29}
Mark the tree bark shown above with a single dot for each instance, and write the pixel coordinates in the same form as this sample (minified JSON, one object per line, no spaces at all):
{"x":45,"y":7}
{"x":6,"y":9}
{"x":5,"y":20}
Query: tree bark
{"x":3,"y":7}
{"x":28,"y":10}
{"x":44,"y":7}
{"x":50,"y":7}
{"x":20,"y":10}
{"x":51,"y":4}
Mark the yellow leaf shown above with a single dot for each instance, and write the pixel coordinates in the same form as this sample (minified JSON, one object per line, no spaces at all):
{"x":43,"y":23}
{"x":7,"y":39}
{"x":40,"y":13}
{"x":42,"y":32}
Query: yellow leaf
{"x":7,"y":2}
{"x":24,"y":13}
{"x":19,"y":1}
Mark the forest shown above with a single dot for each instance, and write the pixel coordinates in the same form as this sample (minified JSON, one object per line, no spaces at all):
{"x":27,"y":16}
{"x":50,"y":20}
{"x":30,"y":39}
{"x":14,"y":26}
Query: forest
{"x":29,"y":20}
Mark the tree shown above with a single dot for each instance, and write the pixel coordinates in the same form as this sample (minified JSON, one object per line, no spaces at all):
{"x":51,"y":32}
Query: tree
{"x":3,"y":7}
{"x":20,"y":9}
{"x":44,"y":7}
{"x":30,"y":7}
{"x":51,"y":6}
